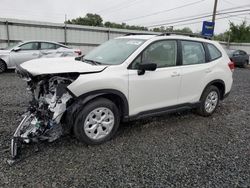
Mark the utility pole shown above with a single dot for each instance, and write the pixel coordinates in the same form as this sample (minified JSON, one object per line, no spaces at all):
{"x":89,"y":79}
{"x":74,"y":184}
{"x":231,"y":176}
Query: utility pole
{"x":215,"y":9}
{"x":65,"y":30}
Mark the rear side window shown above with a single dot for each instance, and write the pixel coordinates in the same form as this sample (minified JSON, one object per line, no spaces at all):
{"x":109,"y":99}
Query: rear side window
{"x":192,"y":53}
{"x":47,"y":46}
{"x":213,"y":51}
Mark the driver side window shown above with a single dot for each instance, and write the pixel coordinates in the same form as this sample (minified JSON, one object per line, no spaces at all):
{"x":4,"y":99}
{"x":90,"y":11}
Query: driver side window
{"x":29,"y":46}
{"x":162,"y":53}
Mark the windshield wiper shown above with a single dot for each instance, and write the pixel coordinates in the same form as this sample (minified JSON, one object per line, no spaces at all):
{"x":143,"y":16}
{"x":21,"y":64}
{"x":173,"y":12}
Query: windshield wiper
{"x":92,"y":61}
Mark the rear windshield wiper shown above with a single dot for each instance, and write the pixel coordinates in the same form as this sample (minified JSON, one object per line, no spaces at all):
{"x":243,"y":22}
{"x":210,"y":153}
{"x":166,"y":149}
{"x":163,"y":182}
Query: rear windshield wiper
{"x":92,"y":61}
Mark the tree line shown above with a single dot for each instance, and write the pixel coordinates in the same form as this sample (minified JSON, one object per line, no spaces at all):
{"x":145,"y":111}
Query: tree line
{"x":96,"y":20}
{"x":236,"y":33}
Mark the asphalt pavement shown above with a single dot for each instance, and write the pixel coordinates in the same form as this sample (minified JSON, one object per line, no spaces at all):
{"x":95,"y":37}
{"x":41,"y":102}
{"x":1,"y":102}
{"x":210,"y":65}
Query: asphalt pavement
{"x":175,"y":150}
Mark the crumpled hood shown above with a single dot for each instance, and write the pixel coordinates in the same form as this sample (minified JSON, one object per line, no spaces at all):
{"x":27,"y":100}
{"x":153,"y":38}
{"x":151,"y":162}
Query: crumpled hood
{"x":59,"y":65}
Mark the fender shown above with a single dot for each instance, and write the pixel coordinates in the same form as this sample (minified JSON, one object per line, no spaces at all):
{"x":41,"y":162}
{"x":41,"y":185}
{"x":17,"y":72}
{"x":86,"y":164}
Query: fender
{"x":214,"y":82}
{"x":79,"y":102}
{"x":93,"y":94}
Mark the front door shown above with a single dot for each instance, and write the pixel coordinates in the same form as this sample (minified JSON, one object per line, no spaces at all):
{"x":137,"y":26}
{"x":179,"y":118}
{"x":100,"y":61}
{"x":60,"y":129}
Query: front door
{"x":155,"y":89}
{"x":28,"y":51}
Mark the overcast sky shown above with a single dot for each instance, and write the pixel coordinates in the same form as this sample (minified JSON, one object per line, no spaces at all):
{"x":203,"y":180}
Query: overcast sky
{"x":133,"y":12}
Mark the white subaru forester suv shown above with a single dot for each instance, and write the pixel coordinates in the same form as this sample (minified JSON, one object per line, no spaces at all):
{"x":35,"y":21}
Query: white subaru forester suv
{"x":124,"y":79}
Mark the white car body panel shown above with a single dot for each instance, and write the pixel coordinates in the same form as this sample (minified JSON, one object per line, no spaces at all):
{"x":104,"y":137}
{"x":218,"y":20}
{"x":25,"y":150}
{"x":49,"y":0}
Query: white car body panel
{"x":59,"y":65}
{"x":16,"y":58}
{"x":5,"y":56}
{"x":153,"y":90}
{"x":113,"y":77}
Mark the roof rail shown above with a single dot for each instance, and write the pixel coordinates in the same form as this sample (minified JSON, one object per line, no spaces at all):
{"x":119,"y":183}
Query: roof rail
{"x":184,"y":34}
{"x":128,"y":34}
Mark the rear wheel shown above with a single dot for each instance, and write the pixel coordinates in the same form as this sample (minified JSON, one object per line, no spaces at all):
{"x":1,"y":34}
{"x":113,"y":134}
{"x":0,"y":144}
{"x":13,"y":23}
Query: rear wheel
{"x":97,"y":122}
{"x":209,"y":101}
{"x":3,"y":66}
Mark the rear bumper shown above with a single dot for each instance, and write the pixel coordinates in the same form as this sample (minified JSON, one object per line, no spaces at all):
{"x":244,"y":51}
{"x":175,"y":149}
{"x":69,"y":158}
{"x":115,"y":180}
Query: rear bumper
{"x":239,"y":63}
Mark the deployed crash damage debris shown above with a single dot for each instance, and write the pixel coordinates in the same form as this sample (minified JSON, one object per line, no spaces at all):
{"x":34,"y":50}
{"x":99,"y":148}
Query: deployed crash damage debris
{"x":42,"y":121}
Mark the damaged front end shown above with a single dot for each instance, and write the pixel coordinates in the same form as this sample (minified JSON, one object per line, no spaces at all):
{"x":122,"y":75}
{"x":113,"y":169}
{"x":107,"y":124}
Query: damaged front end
{"x":50,"y":100}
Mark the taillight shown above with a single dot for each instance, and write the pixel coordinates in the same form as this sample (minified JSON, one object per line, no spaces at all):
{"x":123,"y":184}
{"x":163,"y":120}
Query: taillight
{"x":231,"y":65}
{"x":78,"y":52}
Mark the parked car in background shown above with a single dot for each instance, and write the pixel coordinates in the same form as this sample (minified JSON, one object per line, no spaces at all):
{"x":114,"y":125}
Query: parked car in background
{"x":24,"y":51}
{"x":239,"y":57}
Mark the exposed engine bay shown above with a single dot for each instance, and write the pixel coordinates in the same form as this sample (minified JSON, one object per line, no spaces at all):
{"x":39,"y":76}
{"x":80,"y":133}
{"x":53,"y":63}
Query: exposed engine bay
{"x":50,"y":100}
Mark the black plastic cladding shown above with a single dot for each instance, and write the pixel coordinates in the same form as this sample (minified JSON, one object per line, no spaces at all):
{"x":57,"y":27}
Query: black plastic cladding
{"x":72,"y":111}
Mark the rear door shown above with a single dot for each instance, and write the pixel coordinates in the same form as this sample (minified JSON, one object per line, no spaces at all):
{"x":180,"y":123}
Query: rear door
{"x":159,"y":88}
{"x":194,"y":71}
{"x":48,"y":49}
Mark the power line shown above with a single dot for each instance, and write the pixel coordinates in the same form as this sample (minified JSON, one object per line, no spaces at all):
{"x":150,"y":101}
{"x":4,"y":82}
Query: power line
{"x":122,"y":7}
{"x":200,"y":17}
{"x":162,"y":11}
{"x":240,"y":18}
{"x":229,"y":2}
{"x":191,"y":23}
{"x":194,"y":16}
{"x":115,"y":6}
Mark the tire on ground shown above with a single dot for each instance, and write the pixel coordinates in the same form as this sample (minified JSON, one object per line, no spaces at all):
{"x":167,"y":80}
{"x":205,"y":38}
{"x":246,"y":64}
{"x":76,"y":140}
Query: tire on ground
{"x":201,"y":110}
{"x":3,"y":66}
{"x":245,"y":65}
{"x":83,"y":114}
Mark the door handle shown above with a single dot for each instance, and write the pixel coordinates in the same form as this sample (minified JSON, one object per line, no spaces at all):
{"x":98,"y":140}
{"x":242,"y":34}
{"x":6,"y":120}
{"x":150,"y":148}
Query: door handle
{"x":175,"y":74}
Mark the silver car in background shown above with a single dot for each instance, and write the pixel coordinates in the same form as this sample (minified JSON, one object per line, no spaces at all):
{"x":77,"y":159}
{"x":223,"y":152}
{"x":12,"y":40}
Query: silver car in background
{"x":25,"y":51}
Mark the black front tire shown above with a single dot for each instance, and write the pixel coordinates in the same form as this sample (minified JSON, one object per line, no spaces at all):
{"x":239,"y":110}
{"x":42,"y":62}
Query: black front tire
{"x":201,"y":110}
{"x":83,"y":114}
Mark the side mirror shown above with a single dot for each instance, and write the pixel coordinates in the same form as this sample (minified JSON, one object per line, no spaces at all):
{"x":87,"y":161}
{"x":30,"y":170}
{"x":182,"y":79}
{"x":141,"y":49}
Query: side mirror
{"x":142,"y":68}
{"x":16,"y":49}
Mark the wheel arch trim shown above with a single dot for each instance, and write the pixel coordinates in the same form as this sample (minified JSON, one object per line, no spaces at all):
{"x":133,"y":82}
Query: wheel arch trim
{"x":214,"y":82}
{"x":86,"y":97}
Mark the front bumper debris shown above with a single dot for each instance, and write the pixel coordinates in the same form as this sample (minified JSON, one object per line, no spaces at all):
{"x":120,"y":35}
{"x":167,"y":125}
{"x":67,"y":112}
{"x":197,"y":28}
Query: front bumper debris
{"x":43,"y":119}
{"x":17,"y":140}
{"x":30,"y":131}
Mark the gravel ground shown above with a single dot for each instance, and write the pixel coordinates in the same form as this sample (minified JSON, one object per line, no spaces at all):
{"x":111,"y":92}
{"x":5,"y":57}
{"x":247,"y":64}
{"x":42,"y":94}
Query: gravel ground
{"x":176,"y":150}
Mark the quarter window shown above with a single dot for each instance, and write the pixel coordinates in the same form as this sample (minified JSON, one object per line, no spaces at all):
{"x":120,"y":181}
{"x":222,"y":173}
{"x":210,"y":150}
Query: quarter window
{"x":213,"y":51}
{"x":29,"y":46}
{"x":192,"y":53}
{"x":162,"y":53}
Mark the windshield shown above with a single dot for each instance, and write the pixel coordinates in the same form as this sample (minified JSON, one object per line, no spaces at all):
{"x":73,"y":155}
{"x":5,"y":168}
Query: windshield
{"x":114,"y":52}
{"x":12,"y":46}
